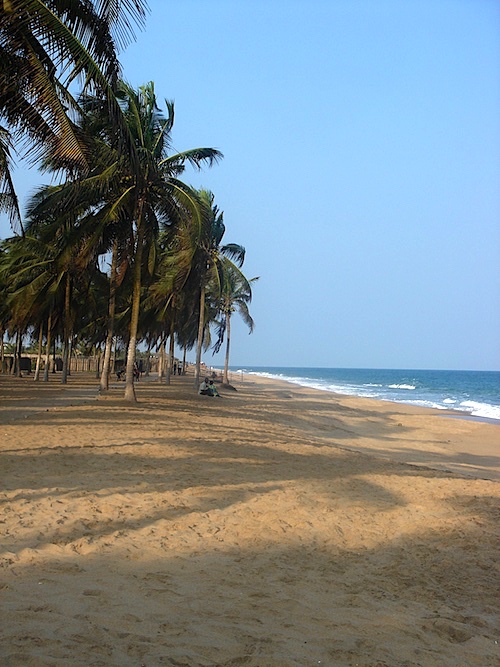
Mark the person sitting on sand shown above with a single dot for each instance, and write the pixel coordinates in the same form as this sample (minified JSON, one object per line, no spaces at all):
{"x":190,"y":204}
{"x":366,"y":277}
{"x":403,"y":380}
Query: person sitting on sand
{"x":213,"y":389}
{"x":205,"y":388}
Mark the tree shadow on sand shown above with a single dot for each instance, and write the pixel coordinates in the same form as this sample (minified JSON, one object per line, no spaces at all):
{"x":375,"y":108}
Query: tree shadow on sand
{"x":401,"y":603}
{"x":266,"y":547}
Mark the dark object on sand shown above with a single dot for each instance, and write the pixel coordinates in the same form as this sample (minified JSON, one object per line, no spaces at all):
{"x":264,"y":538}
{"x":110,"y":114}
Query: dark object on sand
{"x":229,"y":386}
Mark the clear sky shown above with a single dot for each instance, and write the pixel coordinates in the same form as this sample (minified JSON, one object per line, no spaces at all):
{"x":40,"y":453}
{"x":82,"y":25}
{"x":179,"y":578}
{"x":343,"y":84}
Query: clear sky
{"x":361,"y":170}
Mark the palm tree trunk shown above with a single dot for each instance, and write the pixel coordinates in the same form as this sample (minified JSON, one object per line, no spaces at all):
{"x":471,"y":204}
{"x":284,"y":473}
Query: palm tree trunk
{"x":39,"y":355}
{"x":47,"y":349}
{"x":134,"y":318}
{"x":228,"y":341}
{"x":67,"y":330}
{"x":170,"y":357}
{"x":2,"y":349}
{"x":17,"y":360}
{"x":199,"y":343}
{"x":104,"y":384}
{"x":167,"y":364}
{"x":73,"y":356}
{"x":97,"y":360}
{"x":161,"y":360}
{"x":13,"y":366}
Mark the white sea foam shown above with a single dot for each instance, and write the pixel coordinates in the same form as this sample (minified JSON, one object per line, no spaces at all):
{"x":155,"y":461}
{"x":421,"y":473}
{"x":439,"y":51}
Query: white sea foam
{"x":481,"y":409}
{"x":401,"y":392}
{"x":402,"y":386}
{"x":423,"y":403}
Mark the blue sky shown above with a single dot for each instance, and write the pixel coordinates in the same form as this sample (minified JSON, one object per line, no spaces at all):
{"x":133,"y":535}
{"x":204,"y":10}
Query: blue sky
{"x":361,"y":171}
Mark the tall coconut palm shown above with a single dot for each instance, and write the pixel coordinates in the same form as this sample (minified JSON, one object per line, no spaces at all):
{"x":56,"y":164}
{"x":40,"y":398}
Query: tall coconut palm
{"x":25,"y":271}
{"x":235,"y":296}
{"x":123,"y":202}
{"x":196,"y":264}
{"x":212,"y":256}
{"x":56,"y":264}
{"x":4,"y":309}
{"x":155,"y":195}
{"x":100,"y":197}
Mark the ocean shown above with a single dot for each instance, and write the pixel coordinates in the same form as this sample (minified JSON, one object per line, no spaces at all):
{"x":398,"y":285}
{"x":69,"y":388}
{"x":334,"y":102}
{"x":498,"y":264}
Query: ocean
{"x":473,"y":393}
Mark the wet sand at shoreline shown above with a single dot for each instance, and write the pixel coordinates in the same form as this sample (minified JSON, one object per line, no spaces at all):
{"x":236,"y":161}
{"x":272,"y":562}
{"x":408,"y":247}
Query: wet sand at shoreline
{"x":275,"y":527}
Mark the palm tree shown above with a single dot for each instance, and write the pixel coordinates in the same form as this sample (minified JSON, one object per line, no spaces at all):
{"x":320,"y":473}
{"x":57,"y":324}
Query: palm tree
{"x":44,"y":48}
{"x":25,"y":271}
{"x":197,"y":264}
{"x":97,"y":197}
{"x":53,"y":265}
{"x":122,"y":203}
{"x":155,"y":195}
{"x":5,"y":303}
{"x":9,"y":202}
{"x":236,"y":294}
{"x":219,"y":263}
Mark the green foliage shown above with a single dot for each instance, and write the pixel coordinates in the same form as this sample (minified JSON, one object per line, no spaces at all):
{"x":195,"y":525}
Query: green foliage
{"x":121,"y":189}
{"x":44,"y":48}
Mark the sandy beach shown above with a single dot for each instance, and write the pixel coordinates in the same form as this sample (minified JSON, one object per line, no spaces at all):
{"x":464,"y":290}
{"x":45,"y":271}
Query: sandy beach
{"x":276,"y":526}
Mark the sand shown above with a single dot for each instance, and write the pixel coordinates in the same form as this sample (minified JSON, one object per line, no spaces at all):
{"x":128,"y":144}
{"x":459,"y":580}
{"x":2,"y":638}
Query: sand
{"x":273,"y":527}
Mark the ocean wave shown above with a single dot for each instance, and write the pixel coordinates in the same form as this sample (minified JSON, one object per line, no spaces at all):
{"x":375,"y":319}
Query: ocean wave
{"x":321,"y":385}
{"x":477,"y":409}
{"x":472,"y":408}
{"x":402,"y":386}
{"x":399,"y":392}
{"x":421,"y":403}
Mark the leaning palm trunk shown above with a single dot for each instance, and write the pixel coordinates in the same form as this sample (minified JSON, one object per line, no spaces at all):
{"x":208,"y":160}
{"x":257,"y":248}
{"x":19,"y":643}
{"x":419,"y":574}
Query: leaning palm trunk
{"x":47,"y":349}
{"x":134,"y":318}
{"x":104,"y":384}
{"x":199,"y":343}
{"x":228,"y":341}
{"x":39,"y":355}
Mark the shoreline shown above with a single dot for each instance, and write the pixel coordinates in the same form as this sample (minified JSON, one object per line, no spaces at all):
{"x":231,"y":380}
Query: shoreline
{"x":472,"y":418}
{"x":277,"y":526}
{"x":481,"y":443}
{"x":455,"y":454}
{"x":354,"y":385}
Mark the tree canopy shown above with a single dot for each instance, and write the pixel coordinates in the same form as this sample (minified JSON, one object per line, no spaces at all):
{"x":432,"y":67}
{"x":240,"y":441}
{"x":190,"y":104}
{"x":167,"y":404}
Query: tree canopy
{"x":122,"y":247}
